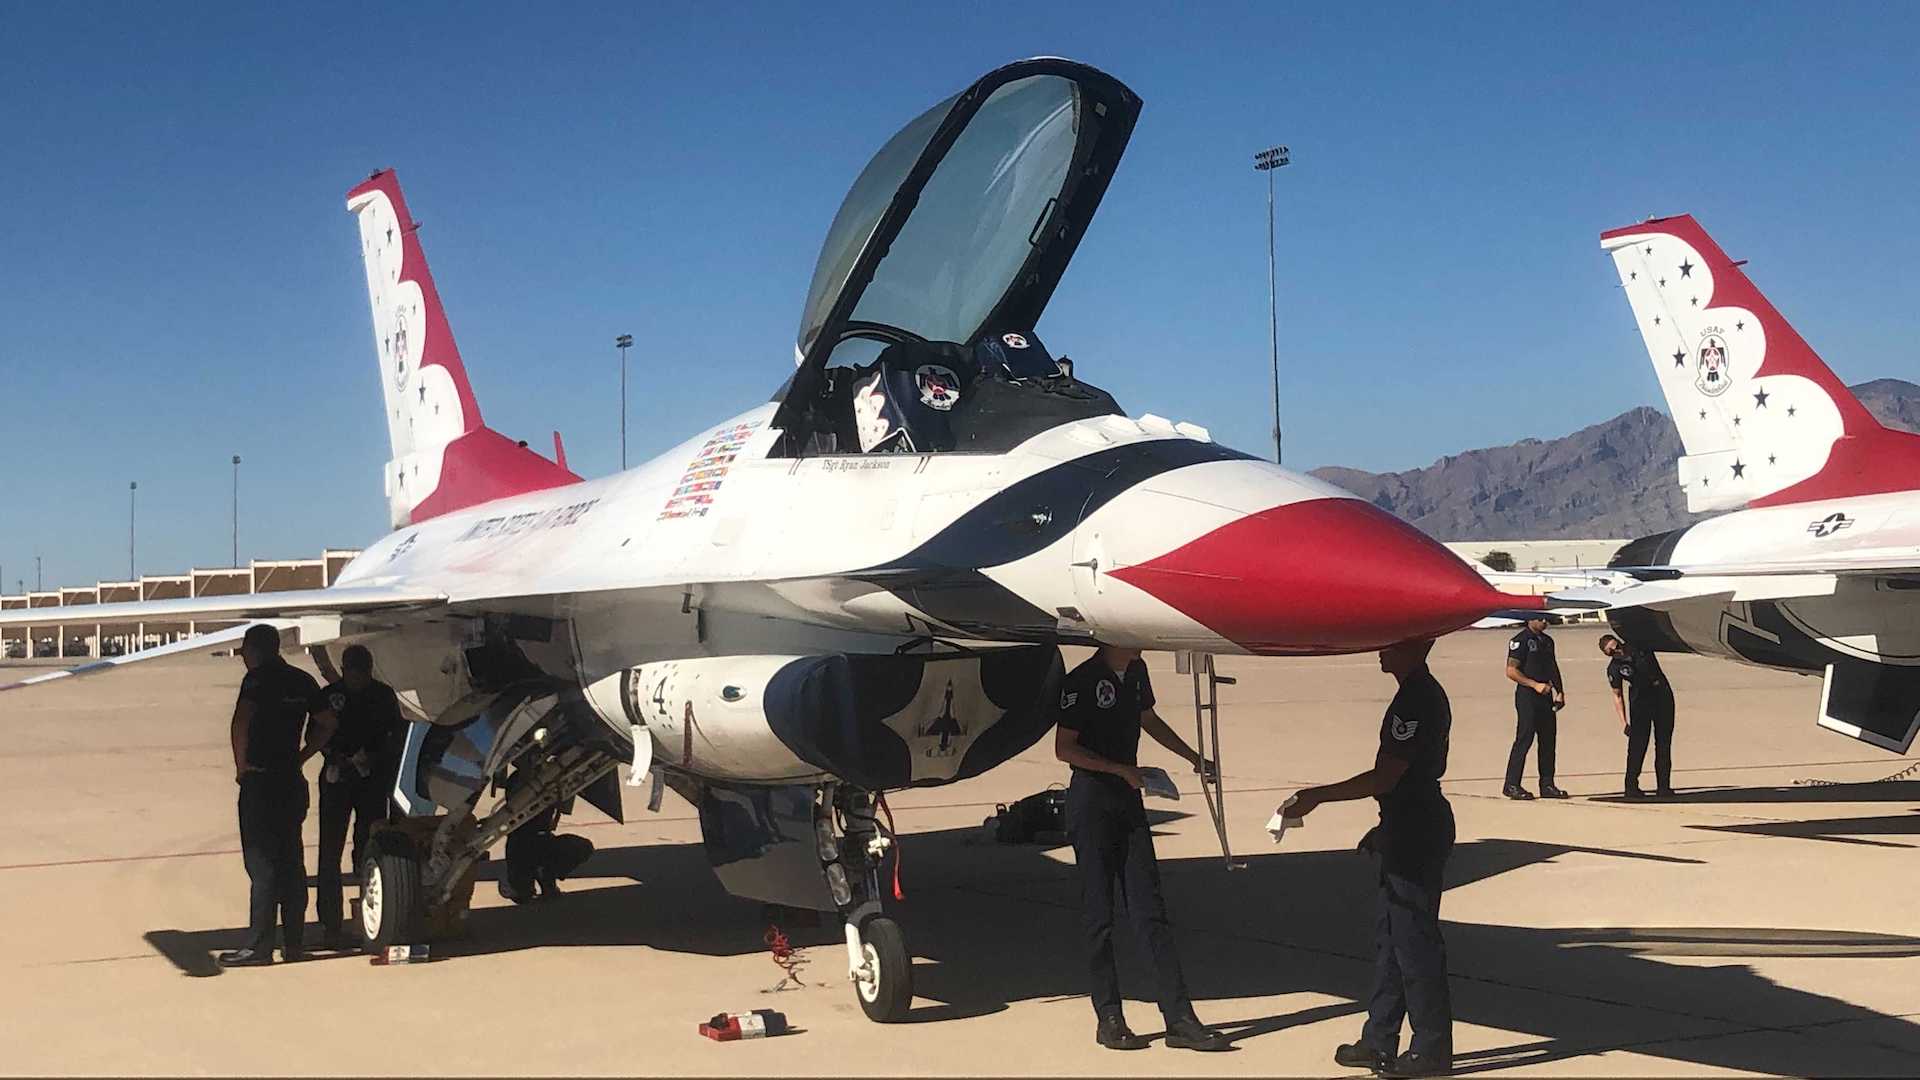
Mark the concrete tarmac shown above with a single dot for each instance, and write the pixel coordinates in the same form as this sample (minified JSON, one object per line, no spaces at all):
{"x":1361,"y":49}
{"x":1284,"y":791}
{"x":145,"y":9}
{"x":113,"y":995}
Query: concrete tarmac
{"x":1754,"y":924}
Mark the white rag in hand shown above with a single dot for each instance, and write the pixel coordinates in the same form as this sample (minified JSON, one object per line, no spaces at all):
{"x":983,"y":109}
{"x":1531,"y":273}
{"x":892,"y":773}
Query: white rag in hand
{"x":1280,"y":822}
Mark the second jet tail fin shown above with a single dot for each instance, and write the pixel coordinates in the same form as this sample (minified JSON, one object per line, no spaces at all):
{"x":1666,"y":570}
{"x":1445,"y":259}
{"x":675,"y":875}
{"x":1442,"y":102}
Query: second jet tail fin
{"x":1763,"y":419}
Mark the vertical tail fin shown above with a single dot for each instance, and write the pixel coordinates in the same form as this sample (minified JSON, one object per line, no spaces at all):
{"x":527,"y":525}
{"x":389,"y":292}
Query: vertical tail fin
{"x":1763,"y":419}
{"x":445,"y":458}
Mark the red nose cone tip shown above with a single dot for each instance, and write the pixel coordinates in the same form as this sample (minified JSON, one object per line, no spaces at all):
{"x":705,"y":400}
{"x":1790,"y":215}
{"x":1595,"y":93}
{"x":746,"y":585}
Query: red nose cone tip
{"x":1320,"y":576}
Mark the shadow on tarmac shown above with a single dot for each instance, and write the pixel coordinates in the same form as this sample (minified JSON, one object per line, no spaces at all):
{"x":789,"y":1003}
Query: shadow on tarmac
{"x":991,"y":925}
{"x":1881,"y":791}
{"x":1832,"y":830}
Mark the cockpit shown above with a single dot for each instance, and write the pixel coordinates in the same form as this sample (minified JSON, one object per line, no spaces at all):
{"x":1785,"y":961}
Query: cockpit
{"x":921,"y":397}
{"x":917,"y":334}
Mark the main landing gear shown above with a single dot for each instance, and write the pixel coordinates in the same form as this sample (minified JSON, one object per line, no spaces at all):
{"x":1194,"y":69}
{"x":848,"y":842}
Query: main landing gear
{"x":417,"y":880}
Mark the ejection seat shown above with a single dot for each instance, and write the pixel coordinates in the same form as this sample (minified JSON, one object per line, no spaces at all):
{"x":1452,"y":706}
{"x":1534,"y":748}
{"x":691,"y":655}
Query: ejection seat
{"x":936,"y":396}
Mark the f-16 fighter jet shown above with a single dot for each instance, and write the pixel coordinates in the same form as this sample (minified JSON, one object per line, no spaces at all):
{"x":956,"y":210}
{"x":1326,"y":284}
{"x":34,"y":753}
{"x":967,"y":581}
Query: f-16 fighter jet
{"x":859,"y":586}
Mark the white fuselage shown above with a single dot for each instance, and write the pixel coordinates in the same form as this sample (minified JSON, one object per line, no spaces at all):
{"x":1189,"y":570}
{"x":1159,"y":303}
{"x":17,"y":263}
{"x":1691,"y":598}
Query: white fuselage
{"x":747,"y":538}
{"x":1800,"y":611}
{"x":717,"y":547}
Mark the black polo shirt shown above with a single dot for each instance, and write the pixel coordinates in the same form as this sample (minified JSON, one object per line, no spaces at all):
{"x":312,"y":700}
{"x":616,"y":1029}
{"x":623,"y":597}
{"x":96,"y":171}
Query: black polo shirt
{"x":283,"y":697}
{"x":1105,"y":708}
{"x":369,"y":720}
{"x":1640,"y":670}
{"x":1417,"y":729}
{"x":1534,"y":653}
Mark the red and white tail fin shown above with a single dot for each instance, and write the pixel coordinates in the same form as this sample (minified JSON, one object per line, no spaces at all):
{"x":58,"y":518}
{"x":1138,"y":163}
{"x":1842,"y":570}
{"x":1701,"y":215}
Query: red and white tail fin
{"x":1764,"y":421}
{"x":445,"y":458}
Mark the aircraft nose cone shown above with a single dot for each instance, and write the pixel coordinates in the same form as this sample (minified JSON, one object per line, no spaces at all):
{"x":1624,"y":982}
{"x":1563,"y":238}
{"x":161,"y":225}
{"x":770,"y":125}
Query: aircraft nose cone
{"x":1317,"y":576}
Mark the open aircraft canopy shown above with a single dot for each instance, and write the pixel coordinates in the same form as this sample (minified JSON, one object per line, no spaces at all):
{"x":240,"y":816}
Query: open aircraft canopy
{"x":966,"y":219}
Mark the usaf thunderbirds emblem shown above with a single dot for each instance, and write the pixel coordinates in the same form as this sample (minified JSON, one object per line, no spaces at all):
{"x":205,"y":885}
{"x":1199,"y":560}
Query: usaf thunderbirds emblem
{"x":400,"y":348}
{"x":1711,"y":375}
{"x":1013,"y":341}
{"x":1103,"y":694}
{"x":939,"y":386}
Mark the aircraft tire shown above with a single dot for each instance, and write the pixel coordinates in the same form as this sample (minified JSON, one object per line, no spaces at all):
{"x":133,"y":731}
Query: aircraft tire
{"x":887,"y":998}
{"x":390,"y":897}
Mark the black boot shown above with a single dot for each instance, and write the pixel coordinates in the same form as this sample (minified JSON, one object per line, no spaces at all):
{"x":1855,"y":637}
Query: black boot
{"x":247,"y":957}
{"x":1188,"y":1033}
{"x":1114,"y":1034}
{"x":1515,"y":791}
{"x":1550,"y":791}
{"x":1360,"y":1056}
{"x":1412,"y":1064}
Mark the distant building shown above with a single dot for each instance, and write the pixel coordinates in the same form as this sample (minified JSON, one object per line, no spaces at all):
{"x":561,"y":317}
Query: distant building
{"x":1531,"y":555}
{"x":1540,"y":566}
{"x":68,"y":632}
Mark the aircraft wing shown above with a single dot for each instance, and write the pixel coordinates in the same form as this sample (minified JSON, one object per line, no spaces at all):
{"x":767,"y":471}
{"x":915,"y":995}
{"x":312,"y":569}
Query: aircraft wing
{"x":1632,"y":592}
{"x":1655,"y":586}
{"x":1903,"y":564}
{"x":355,"y":600}
{"x":201,"y":643}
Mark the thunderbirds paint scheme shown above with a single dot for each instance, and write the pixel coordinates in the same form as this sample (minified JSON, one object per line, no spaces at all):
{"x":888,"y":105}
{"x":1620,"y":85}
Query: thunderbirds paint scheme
{"x":1816,"y":567}
{"x":861,"y":585}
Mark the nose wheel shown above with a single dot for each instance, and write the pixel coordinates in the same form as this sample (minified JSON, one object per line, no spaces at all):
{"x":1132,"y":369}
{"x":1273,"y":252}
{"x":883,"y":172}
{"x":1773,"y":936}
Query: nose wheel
{"x":882,"y":969}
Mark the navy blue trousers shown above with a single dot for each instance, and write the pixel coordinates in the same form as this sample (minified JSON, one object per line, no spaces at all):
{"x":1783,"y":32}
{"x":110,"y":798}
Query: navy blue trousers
{"x":1113,"y":849}
{"x":1409,"y":955}
{"x":363,"y":801}
{"x":273,"y":806}
{"x":1534,"y":718}
{"x":1650,"y":715}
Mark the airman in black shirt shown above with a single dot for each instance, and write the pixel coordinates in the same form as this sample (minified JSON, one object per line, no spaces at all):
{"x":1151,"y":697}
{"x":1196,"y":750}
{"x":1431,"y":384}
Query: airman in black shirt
{"x":277,"y":702}
{"x":357,"y":781}
{"x":1413,"y":840}
{"x":1646,"y":709}
{"x":1537,"y":694}
{"x":1104,"y":705}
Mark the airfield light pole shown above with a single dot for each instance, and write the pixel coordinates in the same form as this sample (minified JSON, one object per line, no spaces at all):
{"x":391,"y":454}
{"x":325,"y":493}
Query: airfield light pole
{"x":1267,"y":161}
{"x":133,"y":488}
{"x":236,"y":509}
{"x":623,"y":343}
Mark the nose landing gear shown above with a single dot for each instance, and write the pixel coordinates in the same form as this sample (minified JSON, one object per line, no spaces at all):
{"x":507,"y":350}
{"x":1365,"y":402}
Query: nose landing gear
{"x":878,"y":963}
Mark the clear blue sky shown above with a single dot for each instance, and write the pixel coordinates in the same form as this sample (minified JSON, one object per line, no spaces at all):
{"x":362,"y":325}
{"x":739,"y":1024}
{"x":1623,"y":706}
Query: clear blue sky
{"x":179,"y":280}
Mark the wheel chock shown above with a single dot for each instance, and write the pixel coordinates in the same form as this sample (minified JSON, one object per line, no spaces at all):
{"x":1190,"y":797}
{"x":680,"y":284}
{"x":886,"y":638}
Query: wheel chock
{"x":732,"y":1027}
{"x":401,"y":954}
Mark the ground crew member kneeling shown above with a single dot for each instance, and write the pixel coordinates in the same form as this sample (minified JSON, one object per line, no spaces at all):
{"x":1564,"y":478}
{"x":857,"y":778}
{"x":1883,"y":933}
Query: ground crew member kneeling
{"x":276,"y":701}
{"x":537,"y":858}
{"x":357,"y":780}
{"x":1413,"y":840}
{"x":1104,"y":705}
